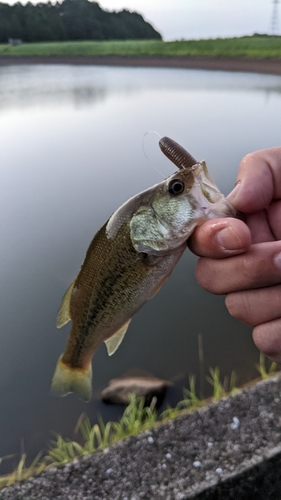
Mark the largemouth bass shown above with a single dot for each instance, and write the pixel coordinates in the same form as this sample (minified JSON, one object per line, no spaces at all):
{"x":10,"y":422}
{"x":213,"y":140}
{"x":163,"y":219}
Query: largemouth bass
{"x":128,"y":261}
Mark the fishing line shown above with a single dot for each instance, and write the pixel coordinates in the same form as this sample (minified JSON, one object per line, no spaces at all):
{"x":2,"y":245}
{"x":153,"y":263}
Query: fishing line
{"x":144,"y":152}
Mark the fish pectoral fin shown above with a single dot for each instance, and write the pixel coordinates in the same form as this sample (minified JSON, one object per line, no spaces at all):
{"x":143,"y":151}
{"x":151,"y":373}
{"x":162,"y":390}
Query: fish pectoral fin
{"x":147,"y":232}
{"x":114,"y":342}
{"x":63,"y":315}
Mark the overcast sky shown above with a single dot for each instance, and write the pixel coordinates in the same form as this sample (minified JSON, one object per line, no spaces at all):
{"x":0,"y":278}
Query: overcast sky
{"x":176,"y":19}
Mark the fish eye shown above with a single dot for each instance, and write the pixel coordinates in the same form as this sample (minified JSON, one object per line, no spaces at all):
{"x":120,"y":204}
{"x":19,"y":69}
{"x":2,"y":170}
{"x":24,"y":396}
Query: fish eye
{"x":176,"y":186}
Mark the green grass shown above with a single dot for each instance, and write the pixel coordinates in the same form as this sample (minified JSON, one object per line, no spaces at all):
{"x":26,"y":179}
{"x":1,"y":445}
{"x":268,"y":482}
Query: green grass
{"x":255,"y":46}
{"x":263,"y":371}
{"x":22,"y":472}
{"x":135,"y":419}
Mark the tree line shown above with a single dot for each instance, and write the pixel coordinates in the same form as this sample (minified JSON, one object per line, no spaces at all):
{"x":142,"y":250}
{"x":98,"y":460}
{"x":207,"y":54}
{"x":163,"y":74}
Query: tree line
{"x":71,"y":20}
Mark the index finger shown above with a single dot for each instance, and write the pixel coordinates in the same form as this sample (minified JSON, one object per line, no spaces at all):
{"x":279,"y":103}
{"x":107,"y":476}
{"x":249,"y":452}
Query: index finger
{"x":258,"y":181}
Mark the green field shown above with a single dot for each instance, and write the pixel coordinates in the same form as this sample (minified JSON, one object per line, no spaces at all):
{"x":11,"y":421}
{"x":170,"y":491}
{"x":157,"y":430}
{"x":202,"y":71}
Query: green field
{"x":253,"y":47}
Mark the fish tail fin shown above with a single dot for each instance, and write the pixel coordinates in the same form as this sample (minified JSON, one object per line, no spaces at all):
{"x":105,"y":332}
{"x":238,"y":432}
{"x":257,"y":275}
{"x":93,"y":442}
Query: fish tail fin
{"x":66,"y":380}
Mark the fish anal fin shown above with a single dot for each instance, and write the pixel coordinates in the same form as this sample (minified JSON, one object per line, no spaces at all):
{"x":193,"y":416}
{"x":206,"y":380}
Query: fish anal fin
{"x":67,"y":379}
{"x":114,"y":342}
{"x":63,"y":315}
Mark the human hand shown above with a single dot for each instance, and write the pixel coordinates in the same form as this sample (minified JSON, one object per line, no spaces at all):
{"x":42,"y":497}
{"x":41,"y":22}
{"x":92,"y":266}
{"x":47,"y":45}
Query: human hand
{"x":243,"y":259}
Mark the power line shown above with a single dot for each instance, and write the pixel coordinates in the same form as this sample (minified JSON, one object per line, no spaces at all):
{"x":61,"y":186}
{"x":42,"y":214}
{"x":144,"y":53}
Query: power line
{"x":274,"y":18}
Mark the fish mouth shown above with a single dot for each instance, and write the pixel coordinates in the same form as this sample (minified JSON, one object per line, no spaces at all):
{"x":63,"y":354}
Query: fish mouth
{"x":176,"y":153}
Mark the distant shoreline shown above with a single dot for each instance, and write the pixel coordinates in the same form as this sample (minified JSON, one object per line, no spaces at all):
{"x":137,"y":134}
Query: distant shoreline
{"x":265,"y":66}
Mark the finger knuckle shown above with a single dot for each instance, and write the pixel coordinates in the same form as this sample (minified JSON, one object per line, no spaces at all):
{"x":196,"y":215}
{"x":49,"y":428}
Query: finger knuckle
{"x":231,"y":302}
{"x":207,"y":277}
{"x":267,"y":337}
{"x":252,"y":269}
{"x":236,"y":306}
{"x":239,"y":307}
{"x":248,"y":158}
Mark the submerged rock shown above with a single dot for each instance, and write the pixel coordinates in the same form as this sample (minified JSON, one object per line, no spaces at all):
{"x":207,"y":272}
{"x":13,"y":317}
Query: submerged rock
{"x":119,"y":389}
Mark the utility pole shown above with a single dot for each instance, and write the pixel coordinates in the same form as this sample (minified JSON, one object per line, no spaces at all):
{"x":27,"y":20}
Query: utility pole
{"x":274,"y":19}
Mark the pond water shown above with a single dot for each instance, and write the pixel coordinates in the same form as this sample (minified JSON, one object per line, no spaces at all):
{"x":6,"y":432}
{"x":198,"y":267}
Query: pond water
{"x":71,"y":153}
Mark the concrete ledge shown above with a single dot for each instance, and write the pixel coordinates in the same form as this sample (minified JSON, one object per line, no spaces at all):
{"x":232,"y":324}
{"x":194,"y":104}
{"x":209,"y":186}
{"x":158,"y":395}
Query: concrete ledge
{"x":260,"y":481}
{"x":228,"y":450}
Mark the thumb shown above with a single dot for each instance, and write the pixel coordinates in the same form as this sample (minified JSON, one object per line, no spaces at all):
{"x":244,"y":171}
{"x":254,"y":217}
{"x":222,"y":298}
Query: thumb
{"x":219,"y":238}
{"x":258,"y":181}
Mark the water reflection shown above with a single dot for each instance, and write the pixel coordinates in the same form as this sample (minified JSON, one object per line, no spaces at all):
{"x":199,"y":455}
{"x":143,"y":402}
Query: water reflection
{"x":71,"y":153}
{"x":85,"y":85}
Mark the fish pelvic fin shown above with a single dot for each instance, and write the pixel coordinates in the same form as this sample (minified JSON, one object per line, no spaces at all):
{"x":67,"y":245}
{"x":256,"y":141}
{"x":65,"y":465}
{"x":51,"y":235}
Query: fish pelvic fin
{"x":114,"y":342}
{"x":66,"y":380}
{"x":63,"y":315}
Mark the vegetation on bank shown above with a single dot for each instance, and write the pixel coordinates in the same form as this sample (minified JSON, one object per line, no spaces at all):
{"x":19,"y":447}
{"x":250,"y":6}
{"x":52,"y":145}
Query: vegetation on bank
{"x":248,"y":47}
{"x":71,"y":20}
{"x":135,"y":419}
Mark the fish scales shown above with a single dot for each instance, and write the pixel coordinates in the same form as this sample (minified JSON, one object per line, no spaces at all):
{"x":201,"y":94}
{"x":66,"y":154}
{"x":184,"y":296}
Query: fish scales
{"x":128,"y":261}
{"x":112,"y":291}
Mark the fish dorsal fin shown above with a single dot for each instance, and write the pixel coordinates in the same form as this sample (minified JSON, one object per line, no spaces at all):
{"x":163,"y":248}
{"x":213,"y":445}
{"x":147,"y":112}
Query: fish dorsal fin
{"x":114,"y":342}
{"x":63,"y":315}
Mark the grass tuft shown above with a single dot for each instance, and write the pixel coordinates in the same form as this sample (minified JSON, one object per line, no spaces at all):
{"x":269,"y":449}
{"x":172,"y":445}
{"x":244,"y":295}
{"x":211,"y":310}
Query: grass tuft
{"x":135,"y":419}
{"x":21,"y":471}
{"x":221,"y":389}
{"x":263,"y":371}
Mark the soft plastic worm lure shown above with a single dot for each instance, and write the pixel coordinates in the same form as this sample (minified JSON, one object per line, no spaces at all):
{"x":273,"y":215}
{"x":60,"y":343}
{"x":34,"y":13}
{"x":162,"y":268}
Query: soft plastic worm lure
{"x":176,"y":153}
